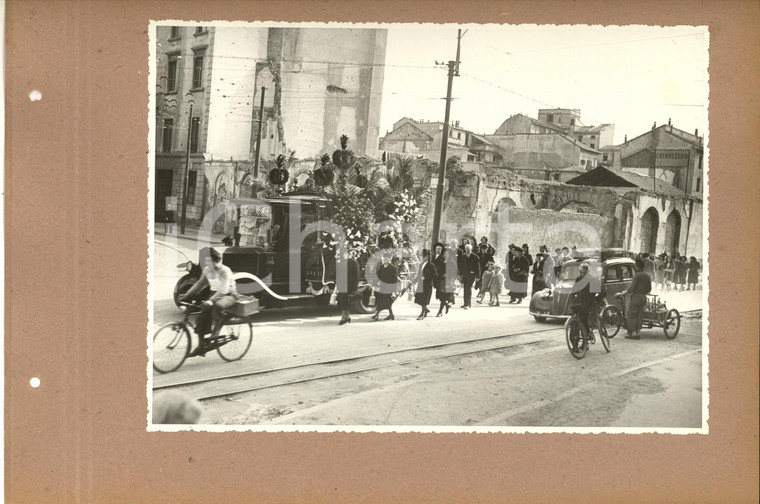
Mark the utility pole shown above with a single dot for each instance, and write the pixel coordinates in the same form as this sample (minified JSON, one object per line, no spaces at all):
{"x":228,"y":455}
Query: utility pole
{"x":453,"y":71}
{"x":186,"y":175}
{"x":258,"y":138}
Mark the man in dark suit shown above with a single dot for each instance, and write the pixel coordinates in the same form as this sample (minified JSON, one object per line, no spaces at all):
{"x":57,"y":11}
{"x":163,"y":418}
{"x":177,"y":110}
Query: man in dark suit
{"x":469,"y":269}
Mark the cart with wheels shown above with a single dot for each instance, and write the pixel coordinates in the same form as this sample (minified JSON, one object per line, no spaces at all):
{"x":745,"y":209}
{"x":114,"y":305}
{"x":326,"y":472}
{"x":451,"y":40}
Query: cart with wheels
{"x":656,"y":314}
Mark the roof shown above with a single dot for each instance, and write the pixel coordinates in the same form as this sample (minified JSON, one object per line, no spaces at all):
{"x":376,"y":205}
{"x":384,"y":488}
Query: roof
{"x":412,"y":124}
{"x":683,"y":135}
{"x":602,"y":176}
{"x":483,"y":139}
{"x":591,"y":129}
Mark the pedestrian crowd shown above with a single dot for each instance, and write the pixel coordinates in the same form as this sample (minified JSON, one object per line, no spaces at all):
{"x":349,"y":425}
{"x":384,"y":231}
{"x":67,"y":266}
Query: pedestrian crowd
{"x":453,"y":269}
{"x":671,"y":271}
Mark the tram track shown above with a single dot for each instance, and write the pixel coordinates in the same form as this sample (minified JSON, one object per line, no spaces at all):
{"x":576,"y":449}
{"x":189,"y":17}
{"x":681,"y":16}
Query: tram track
{"x":223,"y":386}
{"x":216,"y":387}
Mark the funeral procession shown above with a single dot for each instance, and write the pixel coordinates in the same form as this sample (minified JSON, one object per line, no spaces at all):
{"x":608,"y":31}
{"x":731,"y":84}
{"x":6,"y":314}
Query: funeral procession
{"x":350,"y":234}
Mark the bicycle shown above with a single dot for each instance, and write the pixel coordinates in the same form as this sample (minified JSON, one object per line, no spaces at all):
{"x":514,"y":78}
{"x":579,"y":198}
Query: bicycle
{"x":231,"y":337}
{"x":577,"y":341}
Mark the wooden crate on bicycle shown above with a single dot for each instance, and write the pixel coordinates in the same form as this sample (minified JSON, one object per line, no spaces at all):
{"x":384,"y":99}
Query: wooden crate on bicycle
{"x":654,"y":309}
{"x":244,"y":307}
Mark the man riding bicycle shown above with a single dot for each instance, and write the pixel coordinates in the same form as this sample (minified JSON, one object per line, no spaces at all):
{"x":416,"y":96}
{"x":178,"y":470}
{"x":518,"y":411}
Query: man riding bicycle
{"x":586,"y":292}
{"x":217,"y":278}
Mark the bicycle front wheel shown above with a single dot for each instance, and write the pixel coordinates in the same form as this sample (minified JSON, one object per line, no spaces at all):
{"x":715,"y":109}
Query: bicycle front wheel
{"x":171,"y":345}
{"x":603,"y":335}
{"x":236,"y":340}
{"x":611,"y":319}
{"x":576,"y":343}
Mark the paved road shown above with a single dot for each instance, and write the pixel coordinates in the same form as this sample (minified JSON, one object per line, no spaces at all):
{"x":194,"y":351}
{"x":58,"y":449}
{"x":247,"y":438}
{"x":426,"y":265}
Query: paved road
{"x":536,"y":383}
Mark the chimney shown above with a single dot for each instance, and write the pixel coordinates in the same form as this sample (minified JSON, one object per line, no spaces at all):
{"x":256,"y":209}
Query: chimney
{"x":626,"y":139}
{"x":654,"y":126}
{"x":456,"y":124}
{"x":668,"y":121}
{"x":696,"y":132}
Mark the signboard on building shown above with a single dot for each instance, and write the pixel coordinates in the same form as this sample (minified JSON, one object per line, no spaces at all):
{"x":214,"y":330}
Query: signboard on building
{"x":672,"y":157}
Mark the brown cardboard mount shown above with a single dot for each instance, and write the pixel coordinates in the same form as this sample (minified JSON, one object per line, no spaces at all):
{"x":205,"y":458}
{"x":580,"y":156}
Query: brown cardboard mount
{"x":76,"y":222}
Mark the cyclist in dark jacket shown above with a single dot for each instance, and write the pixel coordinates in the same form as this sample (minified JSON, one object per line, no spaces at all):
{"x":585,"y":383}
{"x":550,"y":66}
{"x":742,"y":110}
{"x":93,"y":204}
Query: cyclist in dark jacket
{"x":586,"y":292}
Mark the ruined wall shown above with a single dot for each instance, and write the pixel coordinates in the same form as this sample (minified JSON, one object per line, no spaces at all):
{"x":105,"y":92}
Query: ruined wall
{"x":492,"y":202}
{"x":322,"y":100}
{"x":551,"y":228}
{"x":232,"y":89}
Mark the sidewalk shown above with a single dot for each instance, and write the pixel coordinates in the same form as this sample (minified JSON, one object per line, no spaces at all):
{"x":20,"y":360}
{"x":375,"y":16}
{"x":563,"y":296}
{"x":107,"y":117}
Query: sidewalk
{"x":192,"y":236}
{"x":682,"y":301}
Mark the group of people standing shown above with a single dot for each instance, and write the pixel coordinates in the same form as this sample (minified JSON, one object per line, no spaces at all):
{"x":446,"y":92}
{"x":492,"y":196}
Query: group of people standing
{"x":672,"y":271}
{"x":467,"y":265}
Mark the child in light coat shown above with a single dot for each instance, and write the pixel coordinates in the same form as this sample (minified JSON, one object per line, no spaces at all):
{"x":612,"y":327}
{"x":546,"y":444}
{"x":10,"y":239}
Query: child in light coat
{"x":497,"y":281}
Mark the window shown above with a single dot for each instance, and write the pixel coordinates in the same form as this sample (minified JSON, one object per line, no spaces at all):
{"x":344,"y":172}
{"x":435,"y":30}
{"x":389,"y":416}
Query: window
{"x":555,"y":176}
{"x":195,"y":129}
{"x":583,"y":162}
{"x":199,"y":29}
{"x":166,"y":135}
{"x":549,"y":117}
{"x":593,"y":137}
{"x":627,"y":271}
{"x":604,"y":158}
{"x":572,"y":122}
{"x":699,"y":184}
{"x":171,"y":73}
{"x":593,"y":145}
{"x":192,"y":177}
{"x":459,"y":135}
{"x":174,"y":32}
{"x":198,"y":68}
{"x":580,"y":138}
{"x":613,"y":275}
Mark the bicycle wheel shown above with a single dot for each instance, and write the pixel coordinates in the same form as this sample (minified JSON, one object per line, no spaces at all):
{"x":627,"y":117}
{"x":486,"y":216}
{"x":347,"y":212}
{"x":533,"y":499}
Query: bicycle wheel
{"x":611,"y":320}
{"x":237,"y":337}
{"x":603,"y":334}
{"x":576,"y":343}
{"x":672,"y":323}
{"x":171,"y":345}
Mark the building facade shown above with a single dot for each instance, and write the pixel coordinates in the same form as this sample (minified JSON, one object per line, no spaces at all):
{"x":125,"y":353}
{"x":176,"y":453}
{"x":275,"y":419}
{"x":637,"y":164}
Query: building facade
{"x":556,"y":146}
{"x":318,"y":84}
{"x":425,"y":138}
{"x":665,"y":154}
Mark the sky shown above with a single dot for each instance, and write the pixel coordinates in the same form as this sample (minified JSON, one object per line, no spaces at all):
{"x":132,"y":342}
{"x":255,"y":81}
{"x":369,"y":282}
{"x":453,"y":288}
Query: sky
{"x":627,"y":76}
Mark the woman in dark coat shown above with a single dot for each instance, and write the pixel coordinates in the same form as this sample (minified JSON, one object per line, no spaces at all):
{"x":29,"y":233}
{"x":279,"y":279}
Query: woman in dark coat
{"x":680,"y":273}
{"x":508,"y":261}
{"x":352,"y":284}
{"x":693,"y":273}
{"x":526,"y":254}
{"x":518,"y":272}
{"x":445,"y":281}
{"x":425,"y":282}
{"x":387,"y":276}
{"x":486,"y":252}
{"x":539,"y":283}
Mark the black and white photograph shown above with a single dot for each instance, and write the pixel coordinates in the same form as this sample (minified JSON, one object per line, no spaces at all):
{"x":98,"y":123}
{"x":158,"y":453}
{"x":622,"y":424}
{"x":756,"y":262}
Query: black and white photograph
{"x":427,"y":227}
